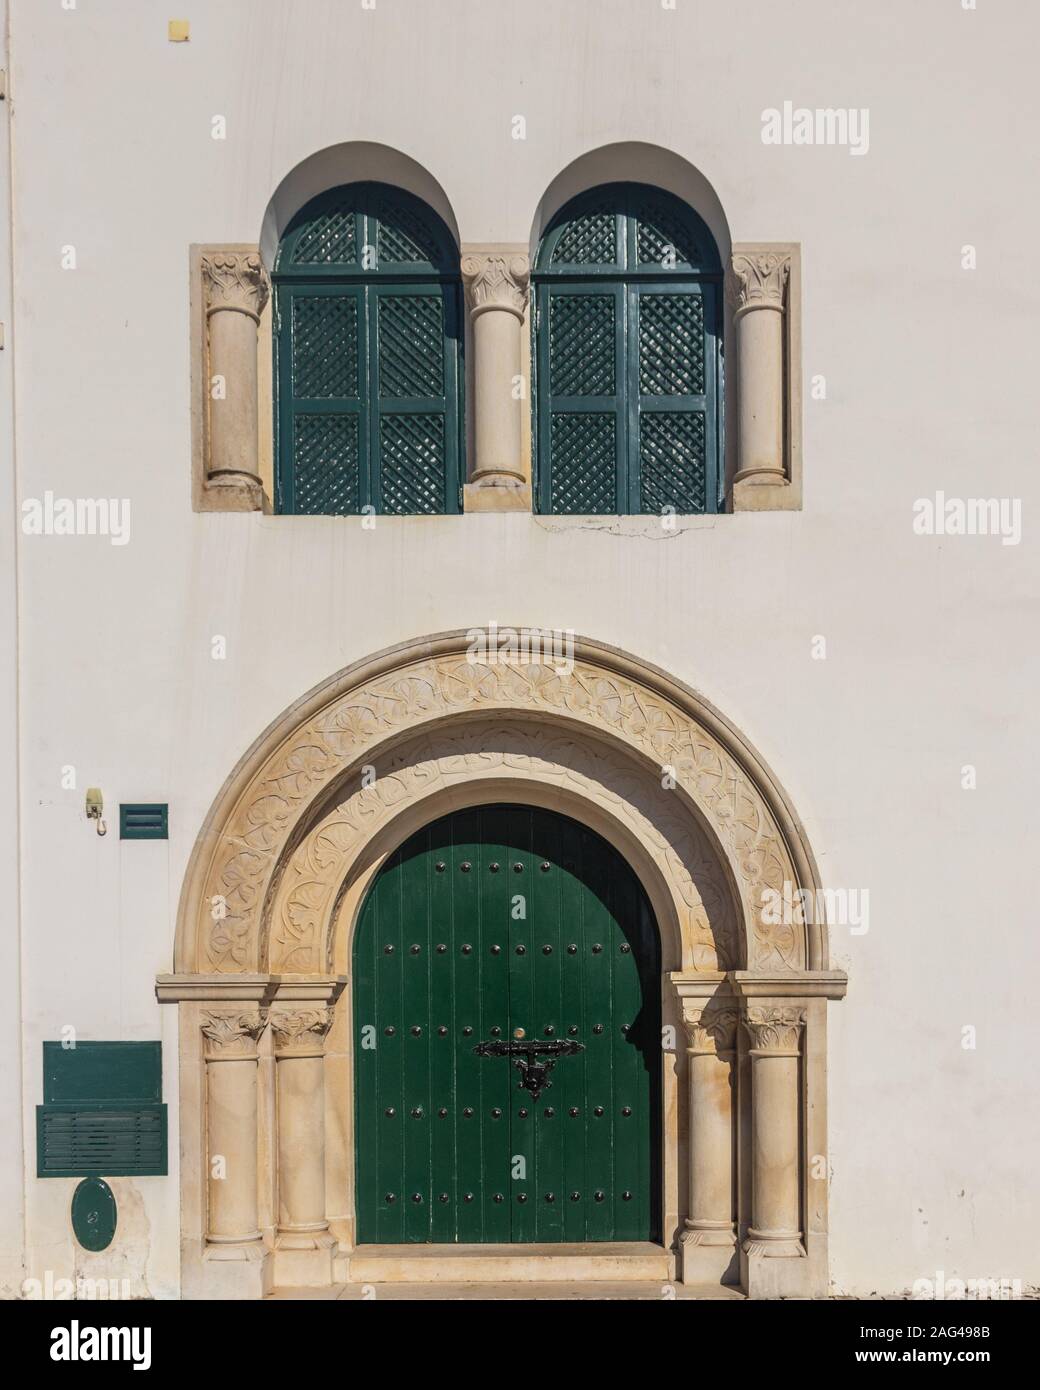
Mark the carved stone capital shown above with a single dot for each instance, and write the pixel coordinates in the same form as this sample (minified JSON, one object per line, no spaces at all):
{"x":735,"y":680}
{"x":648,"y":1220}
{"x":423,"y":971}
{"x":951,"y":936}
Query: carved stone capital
{"x":300,"y":1032}
{"x":496,"y":281}
{"x":233,"y":1034}
{"x":757,"y":281}
{"x":710,"y":1031}
{"x":775,"y":1029}
{"x":235,"y":280}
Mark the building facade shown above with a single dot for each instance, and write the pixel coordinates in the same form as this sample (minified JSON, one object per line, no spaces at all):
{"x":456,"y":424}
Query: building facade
{"x":517,"y":731}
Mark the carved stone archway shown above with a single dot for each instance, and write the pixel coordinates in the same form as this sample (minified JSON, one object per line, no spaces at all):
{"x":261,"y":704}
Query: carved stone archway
{"x":295,"y":837}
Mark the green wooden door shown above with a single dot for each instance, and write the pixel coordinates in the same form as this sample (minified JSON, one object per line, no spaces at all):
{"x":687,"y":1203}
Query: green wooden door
{"x":488,"y":922}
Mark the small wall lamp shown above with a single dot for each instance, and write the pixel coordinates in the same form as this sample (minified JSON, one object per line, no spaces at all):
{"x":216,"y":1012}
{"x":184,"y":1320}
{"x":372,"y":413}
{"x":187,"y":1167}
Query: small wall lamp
{"x":95,"y":806}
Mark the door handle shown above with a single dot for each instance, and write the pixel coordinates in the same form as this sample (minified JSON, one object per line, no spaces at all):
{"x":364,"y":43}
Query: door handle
{"x":534,"y":1060}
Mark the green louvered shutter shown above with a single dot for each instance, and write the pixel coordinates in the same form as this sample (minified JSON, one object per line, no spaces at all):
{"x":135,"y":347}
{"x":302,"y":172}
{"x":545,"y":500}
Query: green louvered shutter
{"x":369,"y":343}
{"x":627,"y":383}
{"x":102,"y":1111}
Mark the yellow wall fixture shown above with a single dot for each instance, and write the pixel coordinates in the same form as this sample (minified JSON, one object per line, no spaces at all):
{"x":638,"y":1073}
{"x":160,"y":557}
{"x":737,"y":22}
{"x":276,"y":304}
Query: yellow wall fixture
{"x":95,"y":806}
{"x":178,"y":31}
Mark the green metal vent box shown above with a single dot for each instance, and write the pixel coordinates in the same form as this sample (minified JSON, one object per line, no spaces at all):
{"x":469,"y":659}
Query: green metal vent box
{"x":102,"y":1111}
{"x":144,"y":822}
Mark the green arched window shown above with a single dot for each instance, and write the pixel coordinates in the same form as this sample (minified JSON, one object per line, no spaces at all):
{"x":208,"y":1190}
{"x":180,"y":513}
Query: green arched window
{"x":627,"y":357}
{"x":368,"y":349}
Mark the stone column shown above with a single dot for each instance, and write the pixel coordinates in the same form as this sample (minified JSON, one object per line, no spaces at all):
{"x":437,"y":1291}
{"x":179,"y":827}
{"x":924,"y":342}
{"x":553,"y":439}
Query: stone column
{"x":708,"y":1244}
{"x":775,"y":1034}
{"x":230,"y":1051}
{"x":496,"y":293}
{"x":236,"y":288}
{"x":304,"y":1247}
{"x":756,"y":286}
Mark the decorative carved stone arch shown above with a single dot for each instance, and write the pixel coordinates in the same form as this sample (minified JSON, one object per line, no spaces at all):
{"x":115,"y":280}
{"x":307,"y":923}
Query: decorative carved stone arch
{"x":303,"y":824}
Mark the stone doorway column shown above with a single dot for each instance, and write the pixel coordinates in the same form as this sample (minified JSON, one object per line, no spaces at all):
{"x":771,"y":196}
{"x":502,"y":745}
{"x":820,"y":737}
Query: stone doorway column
{"x":304,"y":1247}
{"x":230,"y":1051}
{"x":708,"y":1244}
{"x":774,"y":1249}
{"x":496,"y":280}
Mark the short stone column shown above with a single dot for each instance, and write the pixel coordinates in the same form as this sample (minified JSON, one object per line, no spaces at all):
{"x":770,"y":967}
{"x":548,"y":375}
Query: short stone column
{"x":230,"y":1052}
{"x":304,"y":1247}
{"x":756,"y":287}
{"x":775,"y":1233}
{"x":708,"y":1244}
{"x":236,"y":288}
{"x":496,"y":281}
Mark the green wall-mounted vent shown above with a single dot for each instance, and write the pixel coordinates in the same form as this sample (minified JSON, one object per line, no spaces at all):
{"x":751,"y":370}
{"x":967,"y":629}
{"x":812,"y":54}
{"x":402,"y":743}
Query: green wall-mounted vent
{"x":144,"y":822}
{"x":102,"y":1111}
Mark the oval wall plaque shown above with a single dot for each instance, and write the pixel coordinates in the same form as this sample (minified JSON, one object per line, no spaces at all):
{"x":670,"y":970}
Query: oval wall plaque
{"x":94,"y":1214}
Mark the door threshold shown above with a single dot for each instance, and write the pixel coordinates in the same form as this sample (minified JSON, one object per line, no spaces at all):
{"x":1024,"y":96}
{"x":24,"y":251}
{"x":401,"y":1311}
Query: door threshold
{"x":616,"y":1261}
{"x":603,"y":1290}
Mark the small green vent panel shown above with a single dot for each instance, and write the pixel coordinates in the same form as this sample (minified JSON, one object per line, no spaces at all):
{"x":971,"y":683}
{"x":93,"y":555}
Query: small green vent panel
{"x":141,"y":822}
{"x":102,"y":1111}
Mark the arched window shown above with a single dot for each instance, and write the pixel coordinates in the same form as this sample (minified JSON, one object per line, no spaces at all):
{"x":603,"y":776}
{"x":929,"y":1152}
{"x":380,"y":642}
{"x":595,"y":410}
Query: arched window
{"x":627,"y":356}
{"x":368,"y":348}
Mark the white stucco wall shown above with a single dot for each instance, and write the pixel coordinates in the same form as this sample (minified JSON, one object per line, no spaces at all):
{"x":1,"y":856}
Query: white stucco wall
{"x":931,"y":655}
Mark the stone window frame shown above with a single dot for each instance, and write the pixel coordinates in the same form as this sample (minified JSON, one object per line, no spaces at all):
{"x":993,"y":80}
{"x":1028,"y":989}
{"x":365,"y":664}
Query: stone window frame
{"x":231,"y":337}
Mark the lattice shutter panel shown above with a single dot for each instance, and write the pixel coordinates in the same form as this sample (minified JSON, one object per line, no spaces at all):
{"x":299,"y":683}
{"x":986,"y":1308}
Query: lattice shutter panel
{"x":590,"y":239}
{"x":663,"y":240}
{"x":325,"y":465}
{"x":329,"y":237}
{"x":324,"y":346}
{"x":581,"y":345}
{"x":672,"y":439}
{"x":403,"y":240}
{"x":582,"y":384}
{"x":412,"y":403}
{"x":584,"y":464}
{"x":320,"y":394}
{"x":671,"y":344}
{"x":412,"y":464}
{"x":411,"y":345}
{"x":671,"y":462}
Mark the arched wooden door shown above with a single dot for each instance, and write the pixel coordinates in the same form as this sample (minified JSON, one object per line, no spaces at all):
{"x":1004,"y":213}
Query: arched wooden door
{"x":505,"y":926}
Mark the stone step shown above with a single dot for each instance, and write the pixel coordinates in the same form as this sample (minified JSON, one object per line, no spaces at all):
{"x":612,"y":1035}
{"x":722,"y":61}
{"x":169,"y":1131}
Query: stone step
{"x":505,"y":1264}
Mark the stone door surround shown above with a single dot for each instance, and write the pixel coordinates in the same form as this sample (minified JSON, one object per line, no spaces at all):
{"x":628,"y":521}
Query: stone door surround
{"x":280,"y":870}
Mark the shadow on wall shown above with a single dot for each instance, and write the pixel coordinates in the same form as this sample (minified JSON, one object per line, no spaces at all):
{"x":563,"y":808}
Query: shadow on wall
{"x":634,"y":162}
{"x":358,"y":161}
{"x":352,"y":162}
